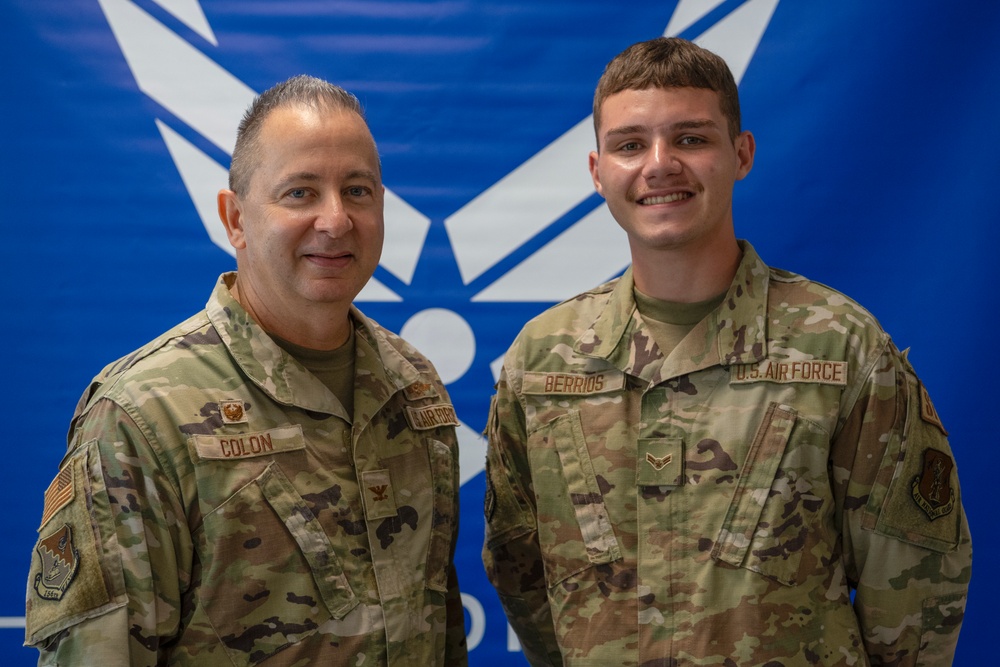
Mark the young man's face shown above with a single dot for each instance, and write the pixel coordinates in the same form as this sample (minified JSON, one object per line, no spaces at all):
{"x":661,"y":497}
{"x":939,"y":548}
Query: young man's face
{"x":309,"y":230}
{"x":666,"y":166}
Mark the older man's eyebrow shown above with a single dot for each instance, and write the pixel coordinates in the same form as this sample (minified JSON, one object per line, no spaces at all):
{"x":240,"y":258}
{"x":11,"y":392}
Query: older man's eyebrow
{"x":363,"y":173}
{"x":312,"y":177}
{"x":297,"y":177}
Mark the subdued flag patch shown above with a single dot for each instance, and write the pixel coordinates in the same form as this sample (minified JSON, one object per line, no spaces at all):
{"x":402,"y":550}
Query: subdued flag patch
{"x":58,"y":495}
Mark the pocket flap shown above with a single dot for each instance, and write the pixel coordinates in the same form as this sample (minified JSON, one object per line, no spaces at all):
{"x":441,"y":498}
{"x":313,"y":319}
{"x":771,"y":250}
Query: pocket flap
{"x":327,"y":571}
{"x":754,"y":484}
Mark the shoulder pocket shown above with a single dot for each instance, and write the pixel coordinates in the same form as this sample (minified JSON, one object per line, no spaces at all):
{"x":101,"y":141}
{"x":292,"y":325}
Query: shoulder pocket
{"x":75,"y":569}
{"x":922,"y":505}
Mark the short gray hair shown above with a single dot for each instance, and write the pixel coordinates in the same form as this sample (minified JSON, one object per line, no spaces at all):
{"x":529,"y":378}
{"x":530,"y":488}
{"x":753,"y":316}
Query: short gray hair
{"x":298,"y":90}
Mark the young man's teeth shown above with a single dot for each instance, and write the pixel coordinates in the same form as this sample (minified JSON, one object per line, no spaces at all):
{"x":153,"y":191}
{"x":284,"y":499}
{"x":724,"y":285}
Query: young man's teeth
{"x":677,"y":196}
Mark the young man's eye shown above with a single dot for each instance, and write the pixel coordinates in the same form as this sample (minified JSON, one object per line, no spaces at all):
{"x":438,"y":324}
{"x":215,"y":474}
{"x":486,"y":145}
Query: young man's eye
{"x":691,"y":141}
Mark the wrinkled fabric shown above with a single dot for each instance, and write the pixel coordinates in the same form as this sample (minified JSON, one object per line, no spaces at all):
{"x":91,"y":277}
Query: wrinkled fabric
{"x":722,"y":505}
{"x":217,"y":506}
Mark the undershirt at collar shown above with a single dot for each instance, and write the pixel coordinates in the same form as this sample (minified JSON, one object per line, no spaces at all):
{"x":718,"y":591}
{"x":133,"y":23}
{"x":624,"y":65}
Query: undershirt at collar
{"x":669,"y":321}
{"x":334,"y":368}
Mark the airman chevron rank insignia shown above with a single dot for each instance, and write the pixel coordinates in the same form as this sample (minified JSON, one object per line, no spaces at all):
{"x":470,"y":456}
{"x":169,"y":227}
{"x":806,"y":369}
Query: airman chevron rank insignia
{"x":60,"y":561}
{"x":659,"y":462}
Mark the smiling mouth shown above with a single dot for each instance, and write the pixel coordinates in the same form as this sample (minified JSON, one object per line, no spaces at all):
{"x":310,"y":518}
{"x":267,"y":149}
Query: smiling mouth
{"x":328,"y":255}
{"x":666,"y":199}
{"x":329,"y":260}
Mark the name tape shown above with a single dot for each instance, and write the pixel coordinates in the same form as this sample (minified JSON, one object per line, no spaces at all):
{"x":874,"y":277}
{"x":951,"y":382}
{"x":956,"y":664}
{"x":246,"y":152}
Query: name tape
{"x":815,"y":371}
{"x":248,"y":445}
{"x":580,"y":384}
{"x":431,"y":416}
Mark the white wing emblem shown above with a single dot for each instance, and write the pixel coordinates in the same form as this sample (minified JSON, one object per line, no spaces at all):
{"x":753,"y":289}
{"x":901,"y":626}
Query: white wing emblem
{"x":550,"y":191}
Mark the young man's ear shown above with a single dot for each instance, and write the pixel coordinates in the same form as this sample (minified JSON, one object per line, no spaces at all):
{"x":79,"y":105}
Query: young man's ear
{"x":593,"y":173}
{"x":745,"y":148}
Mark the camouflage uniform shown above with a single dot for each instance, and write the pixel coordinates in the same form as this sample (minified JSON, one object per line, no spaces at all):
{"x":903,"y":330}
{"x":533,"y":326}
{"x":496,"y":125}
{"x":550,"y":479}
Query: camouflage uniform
{"x":718,"y":506}
{"x":216,"y":506}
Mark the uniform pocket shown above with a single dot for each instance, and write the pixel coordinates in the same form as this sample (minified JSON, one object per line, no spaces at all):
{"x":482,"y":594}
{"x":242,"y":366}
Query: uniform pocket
{"x":762,"y":530}
{"x":76,"y":572}
{"x":574,"y":530}
{"x":274,"y":577}
{"x":921,"y":504}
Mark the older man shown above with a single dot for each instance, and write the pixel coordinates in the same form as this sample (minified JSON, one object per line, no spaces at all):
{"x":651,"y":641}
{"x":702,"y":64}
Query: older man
{"x":273,"y":481}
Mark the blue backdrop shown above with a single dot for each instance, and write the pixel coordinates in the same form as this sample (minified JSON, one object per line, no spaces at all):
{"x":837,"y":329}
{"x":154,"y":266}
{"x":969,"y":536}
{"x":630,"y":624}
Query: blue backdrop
{"x":876,"y":170}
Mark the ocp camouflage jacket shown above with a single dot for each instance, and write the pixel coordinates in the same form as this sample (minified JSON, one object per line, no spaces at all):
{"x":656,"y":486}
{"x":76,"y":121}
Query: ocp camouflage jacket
{"x":722,"y":505}
{"x":217,"y":506}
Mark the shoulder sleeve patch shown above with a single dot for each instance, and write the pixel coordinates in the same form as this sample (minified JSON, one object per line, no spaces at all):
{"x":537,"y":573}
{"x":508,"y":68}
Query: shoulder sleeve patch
{"x":927,"y":411}
{"x":923,"y":505}
{"x":59,"y":494}
{"x":931,"y":489}
{"x":60,"y":560}
{"x":70,"y":579}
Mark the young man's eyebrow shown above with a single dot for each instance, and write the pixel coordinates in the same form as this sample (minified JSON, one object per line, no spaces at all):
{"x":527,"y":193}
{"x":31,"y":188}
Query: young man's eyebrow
{"x":693,"y":124}
{"x":625,"y":129}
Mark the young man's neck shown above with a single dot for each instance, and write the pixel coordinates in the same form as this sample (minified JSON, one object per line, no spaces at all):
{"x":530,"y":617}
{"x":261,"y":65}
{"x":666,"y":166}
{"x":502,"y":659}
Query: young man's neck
{"x":684,"y":275}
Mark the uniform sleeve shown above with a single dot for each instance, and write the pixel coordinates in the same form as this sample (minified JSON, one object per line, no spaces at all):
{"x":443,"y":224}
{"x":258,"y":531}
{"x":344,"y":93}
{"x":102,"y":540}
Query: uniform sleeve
{"x":456,"y":648}
{"x":511,"y":554}
{"x":907,"y":545}
{"x":113,"y":555}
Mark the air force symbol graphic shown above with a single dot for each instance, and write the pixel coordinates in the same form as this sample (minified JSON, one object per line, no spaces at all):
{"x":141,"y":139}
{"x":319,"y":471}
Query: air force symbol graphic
{"x":534,"y":223}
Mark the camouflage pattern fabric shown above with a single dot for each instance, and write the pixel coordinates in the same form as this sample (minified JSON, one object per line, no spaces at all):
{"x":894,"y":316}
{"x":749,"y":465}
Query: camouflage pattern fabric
{"x":216,"y":506}
{"x":721,"y":505}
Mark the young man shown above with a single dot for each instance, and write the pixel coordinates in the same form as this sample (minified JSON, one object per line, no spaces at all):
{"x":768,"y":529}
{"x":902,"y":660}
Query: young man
{"x":709,"y":461}
{"x":275,"y":479}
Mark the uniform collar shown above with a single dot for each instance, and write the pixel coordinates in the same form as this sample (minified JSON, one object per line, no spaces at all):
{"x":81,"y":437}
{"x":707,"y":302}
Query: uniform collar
{"x":380,"y":370}
{"x":733,"y":333}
